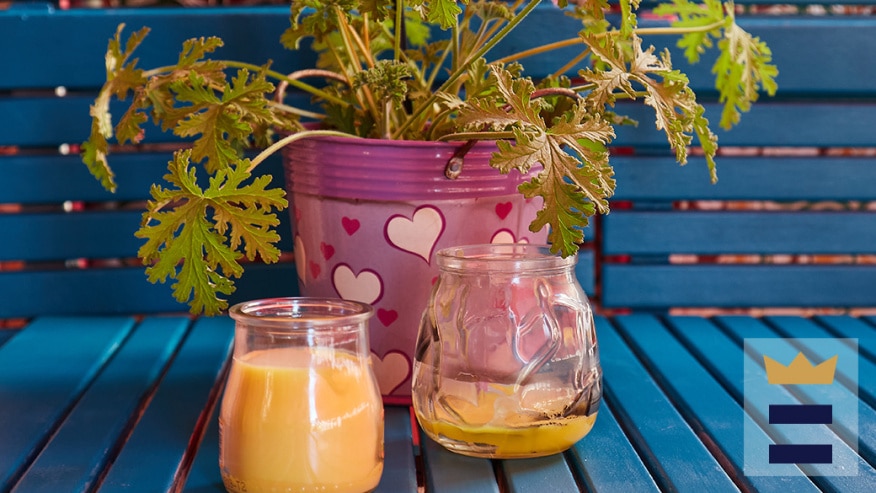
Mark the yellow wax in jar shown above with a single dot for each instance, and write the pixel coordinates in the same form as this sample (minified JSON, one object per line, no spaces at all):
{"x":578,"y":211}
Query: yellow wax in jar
{"x":302,"y":420}
{"x":510,"y":441}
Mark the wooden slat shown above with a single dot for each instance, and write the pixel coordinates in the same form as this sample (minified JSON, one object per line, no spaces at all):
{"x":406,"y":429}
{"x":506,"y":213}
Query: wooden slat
{"x":706,"y":403}
{"x":448,"y":472}
{"x":804,"y":123}
{"x":399,"y":468}
{"x":63,"y":178}
{"x":550,"y":473}
{"x":759,"y":389}
{"x":122,"y":290}
{"x":798,"y":232}
{"x":662,"y":286}
{"x":45,"y":369}
{"x":252,"y":34}
{"x":95,"y":234}
{"x":674,"y":454}
{"x":77,"y":453}
{"x":606,"y":460}
{"x":157,"y":452}
{"x":786,"y":178}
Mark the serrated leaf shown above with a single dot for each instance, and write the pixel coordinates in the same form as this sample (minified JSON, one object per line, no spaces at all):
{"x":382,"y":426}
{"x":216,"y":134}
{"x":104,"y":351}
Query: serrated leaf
{"x":194,"y":236}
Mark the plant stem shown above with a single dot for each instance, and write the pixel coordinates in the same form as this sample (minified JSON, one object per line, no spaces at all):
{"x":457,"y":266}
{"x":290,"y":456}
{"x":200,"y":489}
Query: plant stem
{"x":272,"y":73}
{"x":292,"y":138}
{"x":460,"y":70}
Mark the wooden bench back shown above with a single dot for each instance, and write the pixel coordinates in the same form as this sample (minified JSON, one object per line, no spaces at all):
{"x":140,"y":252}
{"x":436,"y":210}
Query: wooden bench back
{"x":791,"y":221}
{"x":68,"y":246}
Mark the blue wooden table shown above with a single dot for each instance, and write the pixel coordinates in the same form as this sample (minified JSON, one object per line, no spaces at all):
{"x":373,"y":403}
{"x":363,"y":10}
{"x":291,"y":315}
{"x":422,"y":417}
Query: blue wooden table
{"x":125,"y":404}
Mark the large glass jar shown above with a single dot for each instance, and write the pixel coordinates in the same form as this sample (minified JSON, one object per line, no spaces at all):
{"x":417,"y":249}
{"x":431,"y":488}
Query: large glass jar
{"x":506,"y":363}
{"x":301,"y":409}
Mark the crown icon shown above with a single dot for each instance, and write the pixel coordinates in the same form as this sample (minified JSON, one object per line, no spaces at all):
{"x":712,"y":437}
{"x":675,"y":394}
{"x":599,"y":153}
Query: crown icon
{"x":800,"y":371}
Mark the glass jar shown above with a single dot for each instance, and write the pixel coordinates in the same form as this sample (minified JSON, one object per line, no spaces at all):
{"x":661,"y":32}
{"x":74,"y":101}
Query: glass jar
{"x":301,"y":409}
{"x":506,"y":363}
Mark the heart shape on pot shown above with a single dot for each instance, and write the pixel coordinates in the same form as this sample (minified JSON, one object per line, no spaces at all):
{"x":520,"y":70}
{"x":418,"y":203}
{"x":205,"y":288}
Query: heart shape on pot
{"x":391,"y":371}
{"x":387,"y":317}
{"x":417,"y":234}
{"x":503,"y":209}
{"x":366,"y":286}
{"x":506,"y":236}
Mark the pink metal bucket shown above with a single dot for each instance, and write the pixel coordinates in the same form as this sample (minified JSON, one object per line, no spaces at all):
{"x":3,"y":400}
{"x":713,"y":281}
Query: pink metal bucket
{"x":368,"y":216}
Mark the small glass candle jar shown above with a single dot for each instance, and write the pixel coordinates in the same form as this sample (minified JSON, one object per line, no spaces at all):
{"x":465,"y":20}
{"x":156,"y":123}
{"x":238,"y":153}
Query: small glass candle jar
{"x":506,"y":363}
{"x":301,"y":409}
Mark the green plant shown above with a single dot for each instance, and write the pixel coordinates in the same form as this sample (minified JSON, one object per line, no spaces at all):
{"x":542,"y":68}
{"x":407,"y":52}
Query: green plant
{"x":383,"y":82}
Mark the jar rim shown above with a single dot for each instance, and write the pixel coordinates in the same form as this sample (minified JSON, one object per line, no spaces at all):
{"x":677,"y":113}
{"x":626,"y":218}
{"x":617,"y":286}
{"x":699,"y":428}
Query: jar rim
{"x":503,"y":257}
{"x":301,"y":313}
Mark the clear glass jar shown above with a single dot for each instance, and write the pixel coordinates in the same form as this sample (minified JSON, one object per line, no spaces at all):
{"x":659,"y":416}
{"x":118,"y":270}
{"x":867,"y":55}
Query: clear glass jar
{"x":301,"y":410}
{"x":506,"y":363}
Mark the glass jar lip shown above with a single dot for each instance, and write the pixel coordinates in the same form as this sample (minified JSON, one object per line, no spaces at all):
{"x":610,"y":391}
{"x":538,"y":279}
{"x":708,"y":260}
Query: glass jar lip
{"x":503,"y":257}
{"x":301,"y":313}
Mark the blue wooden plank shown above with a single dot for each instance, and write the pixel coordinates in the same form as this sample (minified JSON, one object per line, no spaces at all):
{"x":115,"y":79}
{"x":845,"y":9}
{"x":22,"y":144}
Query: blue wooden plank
{"x":770,"y":123}
{"x":675,"y":454}
{"x":704,"y":285}
{"x":252,"y":34}
{"x":64,"y":178}
{"x":95,"y":234}
{"x":550,"y":473}
{"x":712,"y":232}
{"x":853,"y":328}
{"x":585,"y":270}
{"x":448,"y":472}
{"x":706,"y":403}
{"x":87,"y":441}
{"x":204,"y":475}
{"x":606,"y":460}
{"x":123,"y":290}
{"x":399,"y":468}
{"x":157,"y":452}
{"x":660,"y":178}
{"x":741,"y":328}
{"x":46,"y":368}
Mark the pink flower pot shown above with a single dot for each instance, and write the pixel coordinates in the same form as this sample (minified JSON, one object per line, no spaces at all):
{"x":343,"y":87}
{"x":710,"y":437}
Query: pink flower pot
{"x":368,"y":216}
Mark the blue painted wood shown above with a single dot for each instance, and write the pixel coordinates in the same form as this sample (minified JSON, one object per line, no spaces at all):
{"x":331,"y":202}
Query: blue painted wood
{"x":399,"y":467}
{"x":64,"y":178}
{"x":606,"y":460}
{"x":660,"y":178}
{"x":204,"y":475}
{"x":798,"y":232}
{"x":252,"y":34}
{"x":96,"y":234}
{"x":46,"y":369}
{"x":703,"y":400}
{"x":853,"y":328}
{"x":672,"y":450}
{"x":158,"y":450}
{"x":657,"y":287}
{"x":585,"y":270}
{"x":740,"y":328}
{"x":550,"y":473}
{"x":89,"y":437}
{"x":447,"y":472}
{"x":122,"y":290}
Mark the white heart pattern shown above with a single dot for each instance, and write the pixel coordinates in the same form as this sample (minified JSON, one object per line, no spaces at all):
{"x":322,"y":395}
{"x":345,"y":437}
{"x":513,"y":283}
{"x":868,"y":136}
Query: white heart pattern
{"x":366,"y":287}
{"x":418,"y":234}
{"x":300,"y":259}
{"x":506,"y":236}
{"x":391,"y":371}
